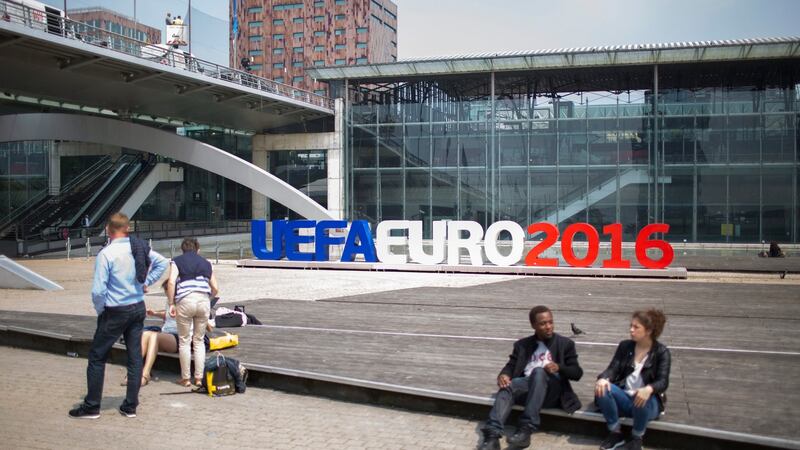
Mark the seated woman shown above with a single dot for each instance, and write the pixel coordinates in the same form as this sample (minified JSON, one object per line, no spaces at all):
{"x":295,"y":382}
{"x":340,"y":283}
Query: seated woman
{"x":635,"y":380}
{"x":153,"y":341}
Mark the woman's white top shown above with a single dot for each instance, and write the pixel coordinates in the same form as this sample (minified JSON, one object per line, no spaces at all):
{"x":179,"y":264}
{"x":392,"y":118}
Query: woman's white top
{"x":634,"y":380}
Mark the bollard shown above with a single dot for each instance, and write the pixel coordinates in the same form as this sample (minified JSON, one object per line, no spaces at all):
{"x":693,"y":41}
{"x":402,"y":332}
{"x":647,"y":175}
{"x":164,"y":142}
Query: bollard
{"x":88,"y":248}
{"x":241,"y":251}
{"x":216,"y":250}
{"x":150,"y":243}
{"x":171,"y":249}
{"x":69,"y":247}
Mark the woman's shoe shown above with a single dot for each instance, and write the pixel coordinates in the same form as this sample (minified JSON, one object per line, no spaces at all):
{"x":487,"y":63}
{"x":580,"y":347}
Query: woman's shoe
{"x":185,"y":382}
{"x":198,"y":382}
{"x":145,"y":380}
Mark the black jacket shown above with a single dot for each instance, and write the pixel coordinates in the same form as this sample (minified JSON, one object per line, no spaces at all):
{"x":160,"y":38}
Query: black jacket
{"x":141,"y":258}
{"x":563,"y":352}
{"x":655,"y":372}
{"x":213,"y":361}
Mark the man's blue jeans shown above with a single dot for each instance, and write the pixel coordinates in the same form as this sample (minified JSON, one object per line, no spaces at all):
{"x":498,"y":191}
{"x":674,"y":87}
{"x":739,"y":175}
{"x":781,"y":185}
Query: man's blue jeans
{"x":539,"y":390}
{"x":616,"y":403}
{"x":113,"y":322}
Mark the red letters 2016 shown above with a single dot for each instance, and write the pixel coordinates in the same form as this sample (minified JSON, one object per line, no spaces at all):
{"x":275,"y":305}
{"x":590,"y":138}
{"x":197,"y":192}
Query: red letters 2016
{"x":643,"y":243}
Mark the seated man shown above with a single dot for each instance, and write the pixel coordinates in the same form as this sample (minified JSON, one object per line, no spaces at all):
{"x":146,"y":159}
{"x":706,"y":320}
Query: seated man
{"x":538,"y":373}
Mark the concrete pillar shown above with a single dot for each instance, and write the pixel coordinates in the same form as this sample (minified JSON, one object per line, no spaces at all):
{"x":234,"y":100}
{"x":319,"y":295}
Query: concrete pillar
{"x":336,"y":163}
{"x":261,"y":160}
{"x":54,"y":167}
{"x":264,"y":144}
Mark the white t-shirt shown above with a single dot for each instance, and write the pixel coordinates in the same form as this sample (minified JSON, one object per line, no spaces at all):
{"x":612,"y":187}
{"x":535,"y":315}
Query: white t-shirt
{"x":169,"y":325}
{"x":634,"y":381}
{"x":540,"y":358}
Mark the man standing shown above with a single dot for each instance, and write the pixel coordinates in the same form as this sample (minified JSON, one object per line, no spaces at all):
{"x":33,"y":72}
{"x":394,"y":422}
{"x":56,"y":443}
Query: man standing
{"x":538,"y":373}
{"x":119,"y":301}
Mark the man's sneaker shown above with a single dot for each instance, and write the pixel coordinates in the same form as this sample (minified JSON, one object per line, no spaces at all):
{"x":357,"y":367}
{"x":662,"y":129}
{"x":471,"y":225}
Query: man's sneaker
{"x":522,"y":438}
{"x":82,"y":413}
{"x":634,"y":444}
{"x":127,"y":412}
{"x":490,"y":442}
{"x":613,"y":440}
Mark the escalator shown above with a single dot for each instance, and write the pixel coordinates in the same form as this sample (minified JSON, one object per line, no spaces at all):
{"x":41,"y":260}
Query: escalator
{"x":92,"y":194}
{"x":40,"y":210}
{"x":123,"y":181}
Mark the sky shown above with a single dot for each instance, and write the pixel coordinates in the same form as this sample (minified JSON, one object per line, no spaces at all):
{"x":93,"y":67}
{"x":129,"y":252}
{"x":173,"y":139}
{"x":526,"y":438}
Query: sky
{"x":460,"y":27}
{"x":457,"y":27}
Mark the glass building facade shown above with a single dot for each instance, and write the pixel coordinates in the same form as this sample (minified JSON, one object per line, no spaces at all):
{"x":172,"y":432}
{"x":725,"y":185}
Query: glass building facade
{"x":24,"y":173}
{"x":710,"y":149}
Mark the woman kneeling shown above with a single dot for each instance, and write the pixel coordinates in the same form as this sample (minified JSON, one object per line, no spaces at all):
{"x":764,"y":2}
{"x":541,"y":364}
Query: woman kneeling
{"x":635,"y":381}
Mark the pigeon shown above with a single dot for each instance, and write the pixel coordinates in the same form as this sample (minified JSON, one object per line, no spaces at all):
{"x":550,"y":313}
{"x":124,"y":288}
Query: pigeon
{"x":575,"y":330}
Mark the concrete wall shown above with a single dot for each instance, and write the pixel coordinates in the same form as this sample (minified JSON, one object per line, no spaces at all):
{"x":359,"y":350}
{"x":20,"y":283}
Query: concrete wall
{"x":332,"y":142}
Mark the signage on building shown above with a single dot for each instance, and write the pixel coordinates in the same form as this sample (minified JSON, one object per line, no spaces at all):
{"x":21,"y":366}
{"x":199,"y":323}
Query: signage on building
{"x":289,"y":237}
{"x":176,"y":35}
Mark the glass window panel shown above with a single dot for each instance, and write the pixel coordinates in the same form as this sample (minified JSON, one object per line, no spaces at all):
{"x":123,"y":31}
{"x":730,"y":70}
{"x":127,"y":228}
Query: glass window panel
{"x":417,"y":205}
{"x":512,"y":143}
{"x":444,"y":195}
{"x":678,"y":139}
{"x":445,"y":145}
{"x":744,"y":133}
{"x":473,"y":144}
{"x":678,"y":203}
{"x":364,"y":146}
{"x":543,"y":143}
{"x":572,"y":142}
{"x":777,"y":209}
{"x":779,"y":136}
{"x":418,"y":145}
{"x":390,"y":150}
{"x":365,"y":196}
{"x":474,"y":201}
{"x":513,"y":196}
{"x":711,"y":204}
{"x":634,"y":141}
{"x":391,"y":195}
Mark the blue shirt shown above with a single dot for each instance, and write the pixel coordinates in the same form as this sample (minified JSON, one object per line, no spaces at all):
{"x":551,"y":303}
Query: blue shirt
{"x":115,"y":275}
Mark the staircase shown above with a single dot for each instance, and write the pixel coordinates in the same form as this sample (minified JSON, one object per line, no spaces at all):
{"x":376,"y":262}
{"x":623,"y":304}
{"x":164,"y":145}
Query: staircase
{"x":580,"y":199}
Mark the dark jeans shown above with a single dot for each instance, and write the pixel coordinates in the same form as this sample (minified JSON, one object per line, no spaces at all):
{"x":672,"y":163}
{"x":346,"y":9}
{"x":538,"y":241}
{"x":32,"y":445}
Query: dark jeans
{"x":127,"y":321}
{"x":537,"y":391}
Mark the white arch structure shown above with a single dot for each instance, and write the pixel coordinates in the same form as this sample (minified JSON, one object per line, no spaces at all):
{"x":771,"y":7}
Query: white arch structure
{"x":99,"y":130}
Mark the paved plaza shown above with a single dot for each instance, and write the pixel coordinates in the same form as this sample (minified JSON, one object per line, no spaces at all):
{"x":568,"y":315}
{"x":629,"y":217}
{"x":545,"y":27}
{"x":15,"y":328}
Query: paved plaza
{"x":36,"y":416}
{"x":402,"y":329}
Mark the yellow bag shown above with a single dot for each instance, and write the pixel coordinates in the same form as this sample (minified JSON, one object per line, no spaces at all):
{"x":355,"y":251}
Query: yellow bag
{"x":220,"y":342}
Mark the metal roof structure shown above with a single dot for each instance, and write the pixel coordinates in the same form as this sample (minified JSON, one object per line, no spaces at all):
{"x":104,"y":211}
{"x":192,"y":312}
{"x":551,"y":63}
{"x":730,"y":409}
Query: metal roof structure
{"x":571,"y":58}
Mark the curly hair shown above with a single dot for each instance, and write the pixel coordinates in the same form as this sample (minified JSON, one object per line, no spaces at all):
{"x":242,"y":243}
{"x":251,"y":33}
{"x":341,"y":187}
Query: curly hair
{"x":652,"y":320}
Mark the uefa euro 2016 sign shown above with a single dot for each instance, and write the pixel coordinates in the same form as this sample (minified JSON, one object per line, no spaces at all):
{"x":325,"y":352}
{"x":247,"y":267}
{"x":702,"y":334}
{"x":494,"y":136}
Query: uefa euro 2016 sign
{"x":449,"y":238}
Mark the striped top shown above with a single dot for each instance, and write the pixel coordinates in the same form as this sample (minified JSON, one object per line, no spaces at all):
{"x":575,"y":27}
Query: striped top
{"x":194,"y":273}
{"x":187,"y":286}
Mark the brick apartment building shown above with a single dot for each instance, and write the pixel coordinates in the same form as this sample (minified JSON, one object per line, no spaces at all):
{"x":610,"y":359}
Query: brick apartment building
{"x":286,"y":36}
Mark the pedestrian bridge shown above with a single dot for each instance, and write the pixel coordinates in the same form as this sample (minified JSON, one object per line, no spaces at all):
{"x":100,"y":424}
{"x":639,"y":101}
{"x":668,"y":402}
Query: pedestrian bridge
{"x":58,"y":63}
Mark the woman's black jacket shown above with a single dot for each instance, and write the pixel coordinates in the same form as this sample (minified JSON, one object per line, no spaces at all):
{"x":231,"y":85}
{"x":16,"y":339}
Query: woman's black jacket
{"x":655,"y":372}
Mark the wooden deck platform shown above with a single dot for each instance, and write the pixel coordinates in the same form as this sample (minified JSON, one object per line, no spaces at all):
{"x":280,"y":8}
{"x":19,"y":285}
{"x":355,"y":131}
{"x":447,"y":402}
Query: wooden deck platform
{"x":735,"y":347}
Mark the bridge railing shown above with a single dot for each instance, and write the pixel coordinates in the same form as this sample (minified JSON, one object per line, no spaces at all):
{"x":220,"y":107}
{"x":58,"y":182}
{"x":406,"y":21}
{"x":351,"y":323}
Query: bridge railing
{"x":53,"y":21}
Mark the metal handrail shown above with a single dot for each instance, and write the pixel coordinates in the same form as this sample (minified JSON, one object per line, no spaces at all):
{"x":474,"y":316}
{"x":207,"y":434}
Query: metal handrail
{"x":86,"y":174}
{"x":11,"y":11}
